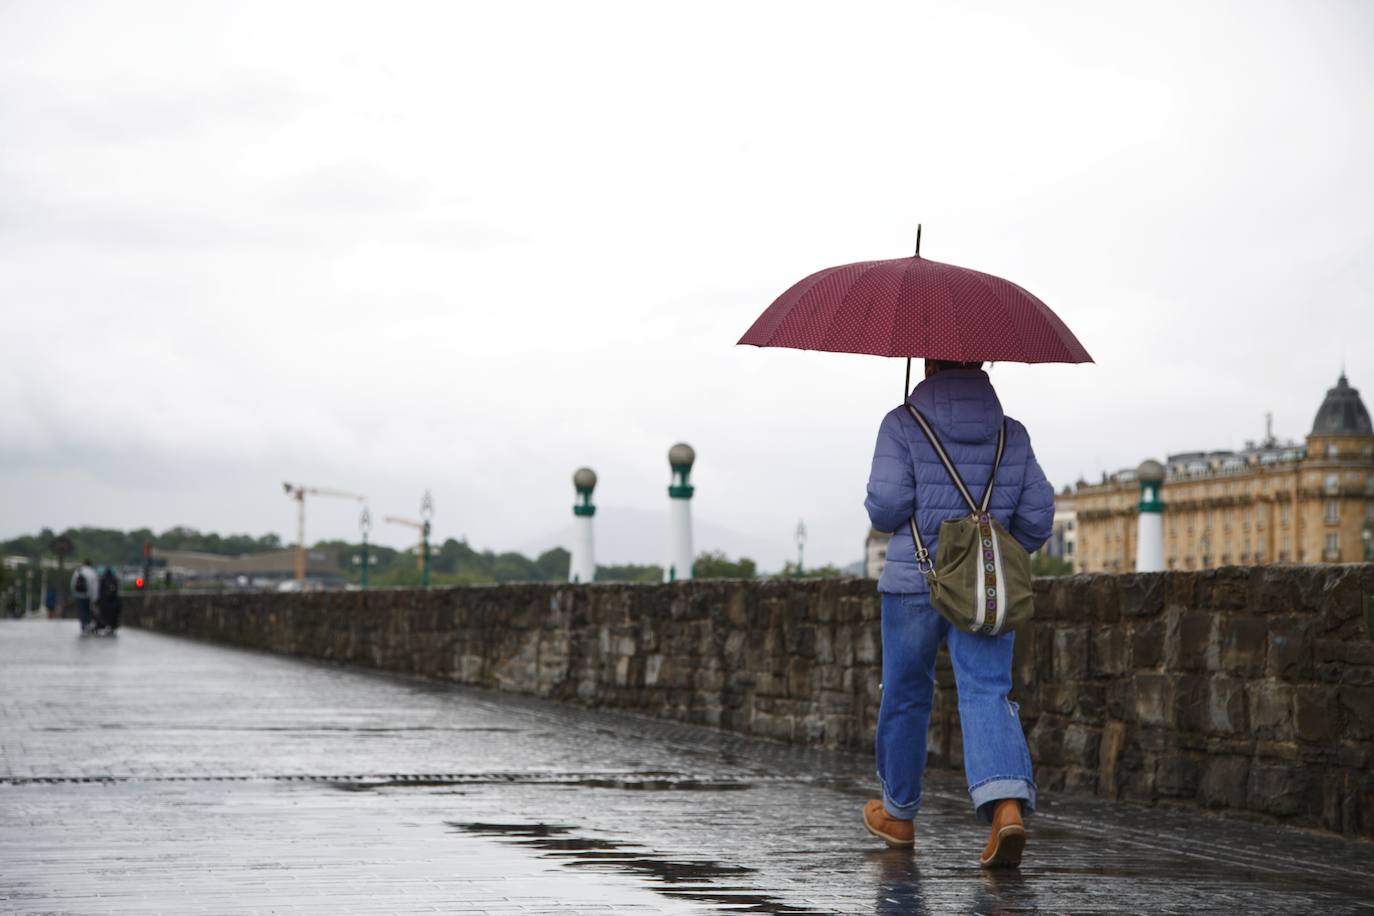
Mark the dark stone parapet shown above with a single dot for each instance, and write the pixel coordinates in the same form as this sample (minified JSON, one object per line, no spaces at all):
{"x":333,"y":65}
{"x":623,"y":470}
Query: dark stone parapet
{"x":1240,"y":689}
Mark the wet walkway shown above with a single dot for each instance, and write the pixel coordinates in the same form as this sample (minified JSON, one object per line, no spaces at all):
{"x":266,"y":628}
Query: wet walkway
{"x":153,"y":775}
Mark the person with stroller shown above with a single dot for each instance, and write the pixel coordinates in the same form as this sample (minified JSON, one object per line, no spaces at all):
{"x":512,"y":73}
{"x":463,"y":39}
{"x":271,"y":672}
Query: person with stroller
{"x":107,"y":603}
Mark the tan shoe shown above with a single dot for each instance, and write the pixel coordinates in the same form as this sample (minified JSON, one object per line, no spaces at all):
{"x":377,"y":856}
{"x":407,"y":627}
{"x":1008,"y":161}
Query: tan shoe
{"x":896,"y":832}
{"x":1008,"y":838}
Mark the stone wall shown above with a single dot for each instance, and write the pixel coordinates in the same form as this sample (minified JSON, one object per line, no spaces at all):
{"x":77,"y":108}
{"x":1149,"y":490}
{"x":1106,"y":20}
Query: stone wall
{"x":1236,"y":689}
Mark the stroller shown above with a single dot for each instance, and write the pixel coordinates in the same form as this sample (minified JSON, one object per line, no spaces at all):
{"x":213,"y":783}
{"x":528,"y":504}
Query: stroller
{"x":106,"y":606}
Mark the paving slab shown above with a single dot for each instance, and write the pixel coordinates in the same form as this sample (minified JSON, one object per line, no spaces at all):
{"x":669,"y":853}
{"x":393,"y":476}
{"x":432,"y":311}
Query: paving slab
{"x":148,"y":774}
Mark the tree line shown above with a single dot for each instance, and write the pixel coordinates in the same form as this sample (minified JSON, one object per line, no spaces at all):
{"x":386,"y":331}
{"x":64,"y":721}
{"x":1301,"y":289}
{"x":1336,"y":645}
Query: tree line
{"x":452,"y":562}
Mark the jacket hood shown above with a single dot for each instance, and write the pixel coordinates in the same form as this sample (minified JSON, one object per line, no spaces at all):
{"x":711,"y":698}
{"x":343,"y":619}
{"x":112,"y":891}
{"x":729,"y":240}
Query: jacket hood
{"x":961,"y":404}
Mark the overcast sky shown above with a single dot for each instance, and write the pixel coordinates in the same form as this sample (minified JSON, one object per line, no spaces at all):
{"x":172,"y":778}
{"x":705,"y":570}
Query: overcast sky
{"x":470,"y":247}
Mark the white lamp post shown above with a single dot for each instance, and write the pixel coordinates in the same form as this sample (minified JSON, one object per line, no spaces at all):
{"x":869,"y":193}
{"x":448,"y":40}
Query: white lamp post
{"x":582,"y":567}
{"x":681,"y":457}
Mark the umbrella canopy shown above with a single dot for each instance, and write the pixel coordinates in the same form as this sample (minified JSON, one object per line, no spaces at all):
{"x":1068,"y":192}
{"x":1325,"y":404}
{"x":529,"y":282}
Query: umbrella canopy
{"x":915,"y":307}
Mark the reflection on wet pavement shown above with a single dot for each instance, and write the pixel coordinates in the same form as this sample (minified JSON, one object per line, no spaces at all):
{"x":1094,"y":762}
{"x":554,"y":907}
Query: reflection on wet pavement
{"x":697,"y":880}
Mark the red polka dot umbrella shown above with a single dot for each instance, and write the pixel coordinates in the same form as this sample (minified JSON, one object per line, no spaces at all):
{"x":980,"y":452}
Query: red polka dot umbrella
{"x":915,"y":307}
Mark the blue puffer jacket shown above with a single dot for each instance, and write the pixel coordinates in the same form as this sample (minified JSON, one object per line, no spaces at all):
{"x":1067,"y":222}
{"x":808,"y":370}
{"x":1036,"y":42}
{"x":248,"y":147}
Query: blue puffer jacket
{"x":962,"y":407}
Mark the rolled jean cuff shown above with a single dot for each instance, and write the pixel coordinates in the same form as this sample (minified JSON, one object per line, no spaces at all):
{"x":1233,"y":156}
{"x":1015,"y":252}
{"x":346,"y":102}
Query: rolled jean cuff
{"x":985,"y":793}
{"x":902,"y":812}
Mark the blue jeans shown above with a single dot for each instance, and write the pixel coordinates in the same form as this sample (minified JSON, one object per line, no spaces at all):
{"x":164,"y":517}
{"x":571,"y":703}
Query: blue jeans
{"x":996,"y":759}
{"x":83,"y":611}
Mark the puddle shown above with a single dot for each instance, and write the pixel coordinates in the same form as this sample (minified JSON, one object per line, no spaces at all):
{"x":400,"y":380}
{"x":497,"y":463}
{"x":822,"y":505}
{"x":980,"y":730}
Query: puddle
{"x":697,"y":880}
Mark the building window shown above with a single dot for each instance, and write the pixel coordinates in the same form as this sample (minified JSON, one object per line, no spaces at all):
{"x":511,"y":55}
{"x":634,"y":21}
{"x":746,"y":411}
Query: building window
{"x":1333,"y":510}
{"x":1283,"y":515}
{"x":1259,"y":555}
{"x":1259,"y":518}
{"x":1332,"y":451}
{"x":1333,"y":483}
{"x":1333,"y":545}
{"x":1068,"y":548}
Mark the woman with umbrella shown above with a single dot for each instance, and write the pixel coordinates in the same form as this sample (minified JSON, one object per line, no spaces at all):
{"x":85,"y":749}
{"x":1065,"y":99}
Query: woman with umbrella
{"x":948,"y":443}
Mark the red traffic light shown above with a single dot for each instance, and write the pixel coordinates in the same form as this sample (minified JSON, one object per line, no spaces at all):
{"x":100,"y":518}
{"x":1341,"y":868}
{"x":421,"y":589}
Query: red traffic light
{"x":138,"y":583}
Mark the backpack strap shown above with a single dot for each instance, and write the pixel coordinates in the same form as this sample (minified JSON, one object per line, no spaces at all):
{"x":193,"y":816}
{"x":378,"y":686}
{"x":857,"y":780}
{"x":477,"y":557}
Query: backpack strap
{"x":980,"y":507}
{"x":923,"y":560}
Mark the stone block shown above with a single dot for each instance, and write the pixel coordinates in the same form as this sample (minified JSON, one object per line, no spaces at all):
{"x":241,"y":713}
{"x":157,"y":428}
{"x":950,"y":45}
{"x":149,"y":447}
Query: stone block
{"x":866,"y":646}
{"x":1046,"y":742}
{"x":1107,"y":652}
{"x":1117,"y":699}
{"x":1226,"y":706}
{"x":1091,"y":702}
{"x":1224,"y":589}
{"x":825,"y":645}
{"x":1059,"y":699}
{"x":843,"y":645}
{"x":1342,"y":601}
{"x":1355,"y":653}
{"x":1151,"y":701}
{"x":1271,"y":710}
{"x":1224,"y":782}
{"x":1315,"y":713}
{"x":1070,"y":653}
{"x":1141,"y":594}
{"x":1081,"y":745}
{"x":653,"y":666}
{"x":1147,"y":644}
{"x":1278,"y":790}
{"x":1290,"y":654}
{"x":1189,"y":703}
{"x":1110,"y":746}
{"x":1178,"y":776}
{"x":1244,"y":641}
{"x":1180,"y":590}
{"x":1274,"y":590}
{"x":1191,"y":635}
{"x":1357,"y":711}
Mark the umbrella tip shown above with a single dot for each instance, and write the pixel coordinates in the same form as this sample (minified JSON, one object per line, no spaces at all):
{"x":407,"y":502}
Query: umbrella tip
{"x":918,"y":240}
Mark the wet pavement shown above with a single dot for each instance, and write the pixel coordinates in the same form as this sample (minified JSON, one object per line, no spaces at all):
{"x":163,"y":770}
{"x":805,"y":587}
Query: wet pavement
{"x":147,"y":774}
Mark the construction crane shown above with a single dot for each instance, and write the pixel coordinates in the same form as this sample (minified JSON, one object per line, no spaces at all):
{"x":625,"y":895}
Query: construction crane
{"x":426,"y":513}
{"x":298,"y":492}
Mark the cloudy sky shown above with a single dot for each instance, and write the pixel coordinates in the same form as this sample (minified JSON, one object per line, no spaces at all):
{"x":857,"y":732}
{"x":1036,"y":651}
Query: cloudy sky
{"x":470,"y":247}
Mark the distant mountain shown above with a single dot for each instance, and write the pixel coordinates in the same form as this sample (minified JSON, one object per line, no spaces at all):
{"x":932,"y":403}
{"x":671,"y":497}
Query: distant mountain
{"x":640,"y":536}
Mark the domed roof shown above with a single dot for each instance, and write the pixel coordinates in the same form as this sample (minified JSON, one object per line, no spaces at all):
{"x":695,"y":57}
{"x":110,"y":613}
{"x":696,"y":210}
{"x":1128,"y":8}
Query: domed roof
{"x":1342,"y":413}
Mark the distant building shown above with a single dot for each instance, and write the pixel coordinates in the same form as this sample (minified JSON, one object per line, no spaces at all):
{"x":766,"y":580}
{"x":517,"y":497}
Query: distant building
{"x":268,"y":566}
{"x":875,"y":552}
{"x":1270,"y":502}
{"x":1063,"y":542}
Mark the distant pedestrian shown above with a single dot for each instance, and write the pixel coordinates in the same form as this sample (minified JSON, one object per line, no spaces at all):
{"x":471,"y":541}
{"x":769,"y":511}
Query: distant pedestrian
{"x":909,"y":480}
{"x":85,"y":587}
{"x":108,"y":604}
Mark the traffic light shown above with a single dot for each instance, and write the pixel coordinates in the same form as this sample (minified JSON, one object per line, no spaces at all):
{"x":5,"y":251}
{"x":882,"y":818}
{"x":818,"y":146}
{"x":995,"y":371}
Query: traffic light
{"x":138,"y":583}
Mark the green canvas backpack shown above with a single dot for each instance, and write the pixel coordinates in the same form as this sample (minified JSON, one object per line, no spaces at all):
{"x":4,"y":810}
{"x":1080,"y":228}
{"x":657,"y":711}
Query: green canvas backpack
{"x":980,"y":579}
